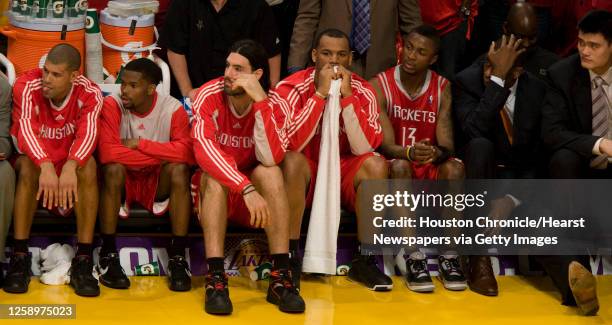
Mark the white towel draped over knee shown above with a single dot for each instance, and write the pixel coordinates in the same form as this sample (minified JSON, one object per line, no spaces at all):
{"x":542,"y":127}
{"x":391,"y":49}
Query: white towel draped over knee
{"x":322,"y":240}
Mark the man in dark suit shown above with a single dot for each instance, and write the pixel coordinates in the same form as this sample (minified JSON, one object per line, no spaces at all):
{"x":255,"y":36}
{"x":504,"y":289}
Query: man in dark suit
{"x":7,"y":175}
{"x":581,"y":94}
{"x":497,"y":111}
{"x":522,"y":22}
{"x":576,"y":129}
{"x":497,"y":106}
{"x":371,"y":24}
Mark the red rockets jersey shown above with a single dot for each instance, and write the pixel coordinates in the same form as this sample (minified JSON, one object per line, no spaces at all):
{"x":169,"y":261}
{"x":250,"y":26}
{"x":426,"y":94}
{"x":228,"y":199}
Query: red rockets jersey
{"x":444,"y":15}
{"x":413,"y":119}
{"x":163,"y":132}
{"x":225,"y":143}
{"x":45,"y":132}
{"x":360,"y":130}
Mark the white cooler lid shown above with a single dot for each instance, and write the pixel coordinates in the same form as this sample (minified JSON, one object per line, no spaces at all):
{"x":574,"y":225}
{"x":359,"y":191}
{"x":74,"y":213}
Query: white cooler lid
{"x":141,"y":21}
{"x":47,"y":24}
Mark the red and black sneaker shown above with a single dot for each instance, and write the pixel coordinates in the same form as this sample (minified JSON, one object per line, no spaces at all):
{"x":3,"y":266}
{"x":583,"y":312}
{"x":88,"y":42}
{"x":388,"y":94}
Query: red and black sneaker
{"x":217,"y":301}
{"x":283,"y":293}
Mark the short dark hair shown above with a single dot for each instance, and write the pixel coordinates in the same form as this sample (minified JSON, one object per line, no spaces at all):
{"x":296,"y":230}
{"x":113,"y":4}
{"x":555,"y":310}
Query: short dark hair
{"x":428,"y":32}
{"x":149,"y":70}
{"x":597,"y":22}
{"x":330,"y":32}
{"x":257,"y":56}
{"x":65,"y":53}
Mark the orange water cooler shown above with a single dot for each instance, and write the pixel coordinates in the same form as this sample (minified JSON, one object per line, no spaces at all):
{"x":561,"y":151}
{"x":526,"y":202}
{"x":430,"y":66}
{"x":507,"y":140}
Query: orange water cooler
{"x":125,"y":39}
{"x":29,"y":42}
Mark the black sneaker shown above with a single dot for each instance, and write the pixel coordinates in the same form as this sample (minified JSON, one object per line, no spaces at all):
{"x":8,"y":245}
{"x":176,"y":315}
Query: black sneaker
{"x":178,"y":274}
{"x":217,"y":301}
{"x":283,"y":293}
{"x":295,"y":265}
{"x":365,"y":271}
{"x":450,"y":273}
{"x":417,"y":276}
{"x":81,"y":277}
{"x":18,"y":274}
{"x":111,"y":273}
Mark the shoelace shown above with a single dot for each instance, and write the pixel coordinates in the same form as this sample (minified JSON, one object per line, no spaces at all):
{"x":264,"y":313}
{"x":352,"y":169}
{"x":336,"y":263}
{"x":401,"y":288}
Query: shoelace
{"x":217,"y":282}
{"x":179,"y":266}
{"x":80,"y":265}
{"x":114,"y":264}
{"x":283,"y":277}
{"x":83,"y":267}
{"x":419,"y":267}
{"x":371,"y":262}
{"x":452,"y":266}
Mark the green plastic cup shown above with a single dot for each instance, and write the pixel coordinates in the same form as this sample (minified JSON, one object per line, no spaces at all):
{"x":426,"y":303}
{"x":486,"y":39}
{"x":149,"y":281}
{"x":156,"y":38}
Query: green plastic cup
{"x":59,"y":8}
{"x":147,"y":269}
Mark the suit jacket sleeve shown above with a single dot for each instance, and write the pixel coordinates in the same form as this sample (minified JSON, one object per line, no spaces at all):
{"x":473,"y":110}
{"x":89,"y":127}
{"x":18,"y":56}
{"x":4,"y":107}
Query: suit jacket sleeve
{"x":557,"y":121}
{"x":304,"y":29}
{"x":409,"y":15}
{"x":477,"y":113}
{"x":5,"y":116}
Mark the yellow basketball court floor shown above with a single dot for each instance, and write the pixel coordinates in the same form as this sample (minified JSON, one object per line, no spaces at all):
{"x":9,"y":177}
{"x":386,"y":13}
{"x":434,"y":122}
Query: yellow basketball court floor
{"x":331,"y":300}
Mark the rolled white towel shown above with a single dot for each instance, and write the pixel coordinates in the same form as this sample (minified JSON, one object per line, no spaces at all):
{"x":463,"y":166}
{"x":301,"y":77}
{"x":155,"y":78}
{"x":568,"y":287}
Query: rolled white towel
{"x":58,"y":275}
{"x":56,"y":260}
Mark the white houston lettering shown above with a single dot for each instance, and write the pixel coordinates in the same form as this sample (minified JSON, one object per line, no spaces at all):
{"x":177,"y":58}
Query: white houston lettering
{"x":235,"y":141}
{"x":57,"y":133}
{"x":416,"y":115}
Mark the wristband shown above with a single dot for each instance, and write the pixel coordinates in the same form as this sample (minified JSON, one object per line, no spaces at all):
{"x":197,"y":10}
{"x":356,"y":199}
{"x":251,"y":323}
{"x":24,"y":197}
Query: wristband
{"x":320,"y":95}
{"x":248,"y":189}
{"x":408,"y":153}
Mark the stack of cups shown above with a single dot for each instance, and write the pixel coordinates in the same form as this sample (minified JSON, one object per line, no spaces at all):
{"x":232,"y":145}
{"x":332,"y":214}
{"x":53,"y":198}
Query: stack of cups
{"x":93,"y":47}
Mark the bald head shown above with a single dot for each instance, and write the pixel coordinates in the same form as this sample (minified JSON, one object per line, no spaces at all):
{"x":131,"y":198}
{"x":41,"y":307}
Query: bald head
{"x":65,"y":54}
{"x":523,"y":23}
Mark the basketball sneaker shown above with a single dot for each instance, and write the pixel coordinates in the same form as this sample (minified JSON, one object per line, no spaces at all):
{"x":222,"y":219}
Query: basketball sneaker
{"x":216,"y":300}
{"x":81,"y":277}
{"x":365,"y":271}
{"x":178,"y":274}
{"x":111,"y":273}
{"x":283,"y":293}
{"x":450,"y":273}
{"x":417,"y":275}
{"x":18,"y":274}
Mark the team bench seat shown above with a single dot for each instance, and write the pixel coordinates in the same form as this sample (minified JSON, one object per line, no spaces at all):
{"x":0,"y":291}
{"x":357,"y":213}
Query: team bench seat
{"x":141,"y":221}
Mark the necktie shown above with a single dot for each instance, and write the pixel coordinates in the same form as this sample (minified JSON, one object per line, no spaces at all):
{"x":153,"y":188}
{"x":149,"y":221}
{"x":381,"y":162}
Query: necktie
{"x":600,"y":119}
{"x":361,"y":25}
{"x":507,"y":121}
